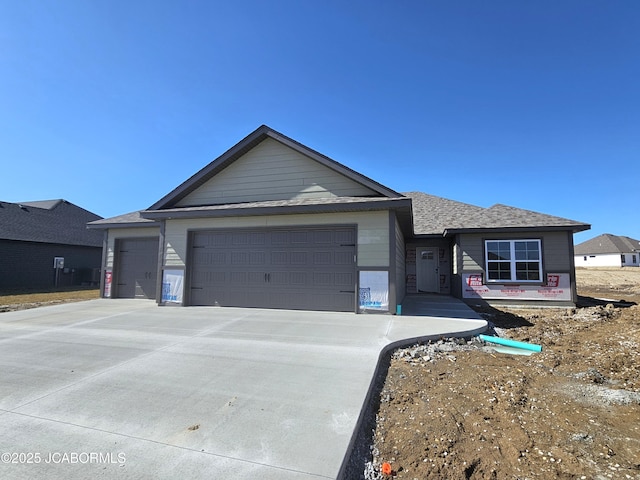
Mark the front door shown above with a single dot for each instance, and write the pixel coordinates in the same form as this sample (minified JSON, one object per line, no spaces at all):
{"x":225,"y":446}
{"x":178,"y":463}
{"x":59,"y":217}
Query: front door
{"x":427,"y":270}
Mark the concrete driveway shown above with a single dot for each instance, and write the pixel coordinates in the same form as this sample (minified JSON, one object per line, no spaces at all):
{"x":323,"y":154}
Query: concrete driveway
{"x":127,"y":389}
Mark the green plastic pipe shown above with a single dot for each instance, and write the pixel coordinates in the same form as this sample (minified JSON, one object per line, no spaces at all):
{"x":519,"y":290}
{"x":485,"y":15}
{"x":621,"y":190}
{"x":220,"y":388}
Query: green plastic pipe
{"x":511,"y":343}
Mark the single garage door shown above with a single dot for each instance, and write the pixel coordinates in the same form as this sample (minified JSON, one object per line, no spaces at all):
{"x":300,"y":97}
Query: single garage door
{"x":302,"y":269}
{"x":136,"y":267}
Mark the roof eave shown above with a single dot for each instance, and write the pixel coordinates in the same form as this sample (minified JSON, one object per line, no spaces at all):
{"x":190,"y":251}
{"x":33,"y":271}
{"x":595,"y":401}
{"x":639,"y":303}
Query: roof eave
{"x":427,"y":235}
{"x":105,"y":226}
{"x":189,"y":212}
{"x":550,"y":228}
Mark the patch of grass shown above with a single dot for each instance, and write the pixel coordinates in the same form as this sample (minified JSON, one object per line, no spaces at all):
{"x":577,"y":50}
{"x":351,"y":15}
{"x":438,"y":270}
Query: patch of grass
{"x":59,"y":296}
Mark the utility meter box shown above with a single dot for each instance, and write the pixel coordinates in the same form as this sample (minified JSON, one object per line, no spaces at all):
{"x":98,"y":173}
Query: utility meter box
{"x":58,"y":262}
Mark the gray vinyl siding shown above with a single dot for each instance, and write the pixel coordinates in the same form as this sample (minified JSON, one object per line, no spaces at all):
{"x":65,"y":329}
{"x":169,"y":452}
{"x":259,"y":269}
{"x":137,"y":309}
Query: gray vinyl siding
{"x":273,"y":171}
{"x":400,"y":265}
{"x":116,"y":233}
{"x":557,"y":251}
{"x":556,"y":254}
{"x":471,"y":252}
{"x":372,"y":232}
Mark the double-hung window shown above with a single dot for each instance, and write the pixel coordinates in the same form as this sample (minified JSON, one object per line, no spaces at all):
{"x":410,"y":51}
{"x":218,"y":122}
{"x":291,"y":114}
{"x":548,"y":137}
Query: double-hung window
{"x":513,"y":261}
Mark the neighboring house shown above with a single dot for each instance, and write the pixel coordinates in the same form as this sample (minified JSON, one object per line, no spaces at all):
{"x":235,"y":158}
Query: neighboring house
{"x":608,"y":251}
{"x":272,"y":223}
{"x":34,"y":234}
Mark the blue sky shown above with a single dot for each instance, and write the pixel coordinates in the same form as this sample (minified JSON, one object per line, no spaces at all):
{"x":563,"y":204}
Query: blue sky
{"x":111,"y":104}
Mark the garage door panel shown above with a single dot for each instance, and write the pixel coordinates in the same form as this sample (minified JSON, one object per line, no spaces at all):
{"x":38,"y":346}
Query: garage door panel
{"x":280,"y":258}
{"x":345,"y":237}
{"x":136,"y":268}
{"x":322,"y":258}
{"x":300,"y":268}
{"x":203,"y":277}
{"x":201,"y":296}
{"x":242,"y":258}
{"x":278,"y":279}
{"x":205,"y":258}
{"x":245,"y":278}
{"x":343,"y":258}
{"x":227,"y":297}
{"x":238,"y":278}
{"x":299,"y":258}
{"x":323,"y":279}
{"x":344,"y":280}
{"x":324,"y":237}
{"x":280,"y":238}
{"x":299,"y":237}
{"x":247,"y":238}
{"x":258,"y":238}
{"x":239,"y":258}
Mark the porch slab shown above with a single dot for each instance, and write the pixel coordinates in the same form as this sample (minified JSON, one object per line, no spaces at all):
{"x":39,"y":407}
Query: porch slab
{"x":436,"y":305}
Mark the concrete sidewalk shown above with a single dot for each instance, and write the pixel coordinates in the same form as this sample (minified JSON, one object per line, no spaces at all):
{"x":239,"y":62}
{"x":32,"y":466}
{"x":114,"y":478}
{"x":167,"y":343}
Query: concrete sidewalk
{"x":126,"y":389}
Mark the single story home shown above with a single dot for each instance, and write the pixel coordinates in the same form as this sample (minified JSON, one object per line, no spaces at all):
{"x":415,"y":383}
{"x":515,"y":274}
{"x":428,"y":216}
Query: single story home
{"x":272,"y":223}
{"x":608,"y":251}
{"x":46,"y":243}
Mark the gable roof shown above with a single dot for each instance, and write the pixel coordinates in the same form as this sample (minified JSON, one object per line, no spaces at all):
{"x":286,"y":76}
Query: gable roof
{"x":48,"y":221}
{"x":127,"y":220}
{"x":440,"y":216}
{"x":244,"y":146}
{"x":418,"y":213}
{"x":607,"y":243}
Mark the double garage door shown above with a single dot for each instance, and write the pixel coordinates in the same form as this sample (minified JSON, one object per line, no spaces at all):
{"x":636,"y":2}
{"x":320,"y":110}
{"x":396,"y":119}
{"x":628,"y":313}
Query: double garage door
{"x":310,"y":268}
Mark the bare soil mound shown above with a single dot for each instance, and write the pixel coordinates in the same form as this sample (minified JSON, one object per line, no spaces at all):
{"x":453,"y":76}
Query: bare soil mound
{"x":461,"y":410}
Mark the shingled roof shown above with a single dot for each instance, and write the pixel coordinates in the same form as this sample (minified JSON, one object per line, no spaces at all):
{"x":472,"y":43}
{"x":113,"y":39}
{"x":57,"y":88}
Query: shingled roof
{"x":147,"y":218}
{"x":48,"y":221}
{"x":132,"y":219}
{"x":608,"y":243}
{"x":433,"y":215}
{"x":436,"y":216}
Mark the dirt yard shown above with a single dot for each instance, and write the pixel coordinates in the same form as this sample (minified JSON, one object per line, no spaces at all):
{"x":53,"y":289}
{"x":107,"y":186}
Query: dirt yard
{"x":460,"y":410}
{"x":10,"y":302}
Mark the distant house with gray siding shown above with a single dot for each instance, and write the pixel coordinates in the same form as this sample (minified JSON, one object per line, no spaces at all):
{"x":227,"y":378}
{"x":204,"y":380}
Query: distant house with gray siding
{"x":33,"y":234}
{"x":272,"y":223}
{"x":608,"y":250}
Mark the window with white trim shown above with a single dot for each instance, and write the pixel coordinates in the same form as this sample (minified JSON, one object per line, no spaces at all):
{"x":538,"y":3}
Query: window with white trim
{"x":513,"y":261}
